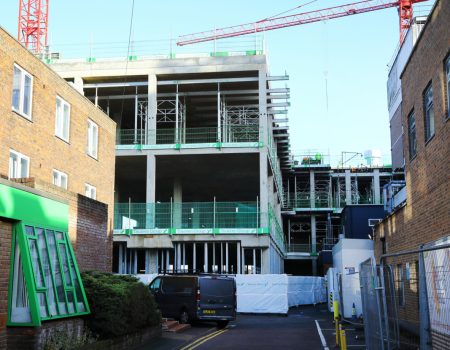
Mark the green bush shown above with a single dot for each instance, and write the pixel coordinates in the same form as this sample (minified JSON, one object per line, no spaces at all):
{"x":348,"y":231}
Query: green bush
{"x":119,"y":304}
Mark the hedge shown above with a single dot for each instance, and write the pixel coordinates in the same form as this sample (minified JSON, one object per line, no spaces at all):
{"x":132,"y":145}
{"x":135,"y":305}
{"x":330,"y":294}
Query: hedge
{"x":119,"y":304}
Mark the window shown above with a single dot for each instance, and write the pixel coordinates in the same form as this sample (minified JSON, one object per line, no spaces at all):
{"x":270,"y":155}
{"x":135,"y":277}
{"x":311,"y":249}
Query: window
{"x":44,"y":269}
{"x":429,"y":113}
{"x":59,"y":178}
{"x":400,"y":285}
{"x":412,"y":135}
{"x":62,"y":119}
{"x":92,"y":145}
{"x":19,"y":165}
{"x":447,"y":73}
{"x":22,"y":92}
{"x":90,"y":191}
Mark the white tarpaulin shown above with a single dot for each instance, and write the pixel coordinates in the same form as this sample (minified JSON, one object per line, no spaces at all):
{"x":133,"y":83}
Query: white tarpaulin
{"x":262,"y":293}
{"x":304,"y":290}
{"x":146,"y":278}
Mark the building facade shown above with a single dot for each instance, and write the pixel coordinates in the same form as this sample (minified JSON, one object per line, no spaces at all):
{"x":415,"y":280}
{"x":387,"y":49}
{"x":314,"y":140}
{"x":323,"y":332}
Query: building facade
{"x":199,"y":154}
{"x":316,"y":194}
{"x":56,"y":194}
{"x":425,"y":108}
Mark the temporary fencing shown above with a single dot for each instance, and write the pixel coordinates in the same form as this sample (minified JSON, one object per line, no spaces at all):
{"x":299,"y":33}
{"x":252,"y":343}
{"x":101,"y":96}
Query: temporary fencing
{"x":406,"y":298}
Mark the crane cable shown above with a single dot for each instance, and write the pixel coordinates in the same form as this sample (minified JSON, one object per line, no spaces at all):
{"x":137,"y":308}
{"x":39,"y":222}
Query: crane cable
{"x":287,"y":11}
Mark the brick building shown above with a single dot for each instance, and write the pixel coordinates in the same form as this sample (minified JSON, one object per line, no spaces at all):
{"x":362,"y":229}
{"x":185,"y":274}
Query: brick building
{"x":425,"y":110}
{"x":56,"y":194}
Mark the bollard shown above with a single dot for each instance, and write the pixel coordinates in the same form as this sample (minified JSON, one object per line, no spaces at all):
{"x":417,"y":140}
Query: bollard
{"x":336,"y":320}
{"x":343,"y":339}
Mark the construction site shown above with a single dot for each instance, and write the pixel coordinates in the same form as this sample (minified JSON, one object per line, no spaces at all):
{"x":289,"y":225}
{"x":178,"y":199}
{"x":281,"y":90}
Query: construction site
{"x":209,"y":178}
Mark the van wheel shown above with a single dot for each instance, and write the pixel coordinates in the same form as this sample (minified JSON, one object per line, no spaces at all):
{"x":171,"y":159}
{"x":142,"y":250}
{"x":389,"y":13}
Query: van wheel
{"x":184,"y":316}
{"x":222,"y":324}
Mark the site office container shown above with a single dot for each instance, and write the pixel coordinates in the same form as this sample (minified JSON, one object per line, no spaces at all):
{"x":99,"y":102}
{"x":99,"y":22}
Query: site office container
{"x":196,"y":298}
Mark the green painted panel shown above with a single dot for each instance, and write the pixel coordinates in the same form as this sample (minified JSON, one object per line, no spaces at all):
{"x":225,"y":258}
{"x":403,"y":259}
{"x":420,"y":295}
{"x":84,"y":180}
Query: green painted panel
{"x":25,"y":206}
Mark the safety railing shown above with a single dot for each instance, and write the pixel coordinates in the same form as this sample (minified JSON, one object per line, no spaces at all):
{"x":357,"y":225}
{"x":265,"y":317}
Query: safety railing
{"x":193,"y":215}
{"x":298,"y":248}
{"x":234,"y":134}
{"x":302,"y":200}
{"x":276,"y":230}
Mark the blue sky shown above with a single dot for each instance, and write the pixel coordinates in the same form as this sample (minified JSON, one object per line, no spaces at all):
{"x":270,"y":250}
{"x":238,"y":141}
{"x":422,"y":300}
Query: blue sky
{"x":352,"y":52}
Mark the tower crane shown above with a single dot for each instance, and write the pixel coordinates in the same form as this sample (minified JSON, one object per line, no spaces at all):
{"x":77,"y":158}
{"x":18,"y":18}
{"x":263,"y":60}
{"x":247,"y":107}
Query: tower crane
{"x":405,"y":10}
{"x":33,"y":25}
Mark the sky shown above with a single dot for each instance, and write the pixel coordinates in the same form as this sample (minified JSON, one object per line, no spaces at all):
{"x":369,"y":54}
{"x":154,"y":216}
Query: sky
{"x":337,"y":69}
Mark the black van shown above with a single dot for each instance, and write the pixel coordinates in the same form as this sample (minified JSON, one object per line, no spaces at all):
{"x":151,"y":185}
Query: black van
{"x":199,"y":297}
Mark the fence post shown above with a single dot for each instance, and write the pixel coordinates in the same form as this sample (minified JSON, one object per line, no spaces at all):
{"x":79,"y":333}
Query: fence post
{"x":385,"y":312}
{"x":424,"y":315}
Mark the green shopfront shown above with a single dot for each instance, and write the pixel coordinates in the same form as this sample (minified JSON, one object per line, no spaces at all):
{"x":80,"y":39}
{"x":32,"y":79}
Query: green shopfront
{"x":44,"y":280}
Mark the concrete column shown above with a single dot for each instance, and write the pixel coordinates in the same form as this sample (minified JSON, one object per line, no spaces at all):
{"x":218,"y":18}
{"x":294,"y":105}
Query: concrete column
{"x":265,"y":261}
{"x":135,"y":270}
{"x":254,"y":261}
{"x":178,"y":257}
{"x":238,"y":258}
{"x":167,"y":260}
{"x":152,"y":260}
{"x":221,"y":258}
{"x":214,"y":257}
{"x":314,"y":267}
{"x":78,"y":84}
{"x":226,"y":258}
{"x":152,"y":109}
{"x":312,"y":189}
{"x":120,"y":267}
{"x":150,"y":191}
{"x":263,"y":154}
{"x":348,"y":187}
{"x":376,"y":186}
{"x":177,"y":202}
{"x":205,"y":260}
{"x":313,"y":234}
{"x":146,"y":261}
{"x":194,"y":257}
{"x":184,"y":255}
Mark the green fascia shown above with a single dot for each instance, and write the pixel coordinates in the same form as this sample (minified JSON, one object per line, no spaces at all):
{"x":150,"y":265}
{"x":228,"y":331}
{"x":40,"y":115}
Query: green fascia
{"x":36,"y":210}
{"x":263,"y":230}
{"x":172,"y":231}
{"x":218,"y":145}
{"x":90,"y":59}
{"x":216,"y":231}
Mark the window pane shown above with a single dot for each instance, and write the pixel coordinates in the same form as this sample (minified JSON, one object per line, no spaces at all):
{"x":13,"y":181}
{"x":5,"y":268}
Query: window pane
{"x":29,"y":230}
{"x":66,"y":121}
{"x":27,"y":95}
{"x":80,"y":301}
{"x":23,"y":167}
{"x":58,"y":117}
{"x":62,"y":252}
{"x":71,"y":302}
{"x":63,"y":181}
{"x":47,"y":271}
{"x":20,"y":311}
{"x":42,"y":304}
{"x":57,"y":272}
{"x":12,"y":165}
{"x":35,"y":262}
{"x":16,"y":89}
{"x":55,"y":178}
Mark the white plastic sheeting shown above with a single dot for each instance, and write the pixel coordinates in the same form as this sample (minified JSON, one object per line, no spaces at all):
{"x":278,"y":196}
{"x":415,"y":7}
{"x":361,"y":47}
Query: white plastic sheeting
{"x":276,"y":293}
{"x":262,"y":293}
{"x":146,"y":278}
{"x":305,"y":290}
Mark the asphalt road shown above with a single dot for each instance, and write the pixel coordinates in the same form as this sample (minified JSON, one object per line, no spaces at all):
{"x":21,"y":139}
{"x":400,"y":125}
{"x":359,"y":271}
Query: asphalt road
{"x":305,"y":327}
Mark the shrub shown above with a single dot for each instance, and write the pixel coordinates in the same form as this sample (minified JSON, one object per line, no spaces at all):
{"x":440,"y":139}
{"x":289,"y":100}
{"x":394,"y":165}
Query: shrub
{"x":119,"y":304}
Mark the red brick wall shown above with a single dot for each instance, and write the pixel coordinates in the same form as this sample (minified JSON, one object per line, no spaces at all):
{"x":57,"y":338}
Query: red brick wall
{"x":5,"y":254}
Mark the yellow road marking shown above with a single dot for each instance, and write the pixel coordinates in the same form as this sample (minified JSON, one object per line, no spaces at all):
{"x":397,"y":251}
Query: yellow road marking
{"x":203,"y":339}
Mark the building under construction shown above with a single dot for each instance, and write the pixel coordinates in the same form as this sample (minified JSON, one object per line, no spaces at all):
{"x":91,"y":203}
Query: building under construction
{"x":200,"y":146}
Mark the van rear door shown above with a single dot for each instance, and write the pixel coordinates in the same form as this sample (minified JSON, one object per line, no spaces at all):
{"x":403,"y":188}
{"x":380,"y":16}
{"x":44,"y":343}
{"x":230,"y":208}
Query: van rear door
{"x":217,"y":298}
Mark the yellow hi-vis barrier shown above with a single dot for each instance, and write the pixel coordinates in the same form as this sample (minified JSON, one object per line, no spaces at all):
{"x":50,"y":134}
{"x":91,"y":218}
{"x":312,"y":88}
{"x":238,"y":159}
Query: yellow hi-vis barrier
{"x":343,"y":339}
{"x":336,"y":320}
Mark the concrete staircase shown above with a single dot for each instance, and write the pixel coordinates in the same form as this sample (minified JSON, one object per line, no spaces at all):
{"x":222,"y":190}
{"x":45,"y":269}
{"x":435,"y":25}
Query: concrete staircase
{"x":169,"y":325}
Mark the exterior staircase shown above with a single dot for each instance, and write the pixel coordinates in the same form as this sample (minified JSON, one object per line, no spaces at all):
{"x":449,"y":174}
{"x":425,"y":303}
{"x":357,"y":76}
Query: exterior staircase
{"x":170,"y":325}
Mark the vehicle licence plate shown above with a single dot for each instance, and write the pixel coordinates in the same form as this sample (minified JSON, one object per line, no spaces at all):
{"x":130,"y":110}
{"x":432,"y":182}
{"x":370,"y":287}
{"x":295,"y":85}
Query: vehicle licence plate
{"x":209,"y":312}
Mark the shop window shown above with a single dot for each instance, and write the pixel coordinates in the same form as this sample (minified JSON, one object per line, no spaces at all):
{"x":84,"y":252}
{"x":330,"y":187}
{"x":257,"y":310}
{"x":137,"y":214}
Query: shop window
{"x":45,"y":282}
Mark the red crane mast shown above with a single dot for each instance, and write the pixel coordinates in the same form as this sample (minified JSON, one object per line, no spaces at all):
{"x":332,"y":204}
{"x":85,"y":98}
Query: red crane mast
{"x":33,"y":24}
{"x":404,"y":7}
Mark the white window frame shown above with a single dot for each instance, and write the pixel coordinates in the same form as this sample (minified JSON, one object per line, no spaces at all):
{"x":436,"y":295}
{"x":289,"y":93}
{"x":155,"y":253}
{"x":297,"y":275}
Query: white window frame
{"x":59,"y":174}
{"x":92,"y":141}
{"x":59,"y":128}
{"x":19,"y":156}
{"x":447,"y":74}
{"x":20,"y":110}
{"x":90,"y":191}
